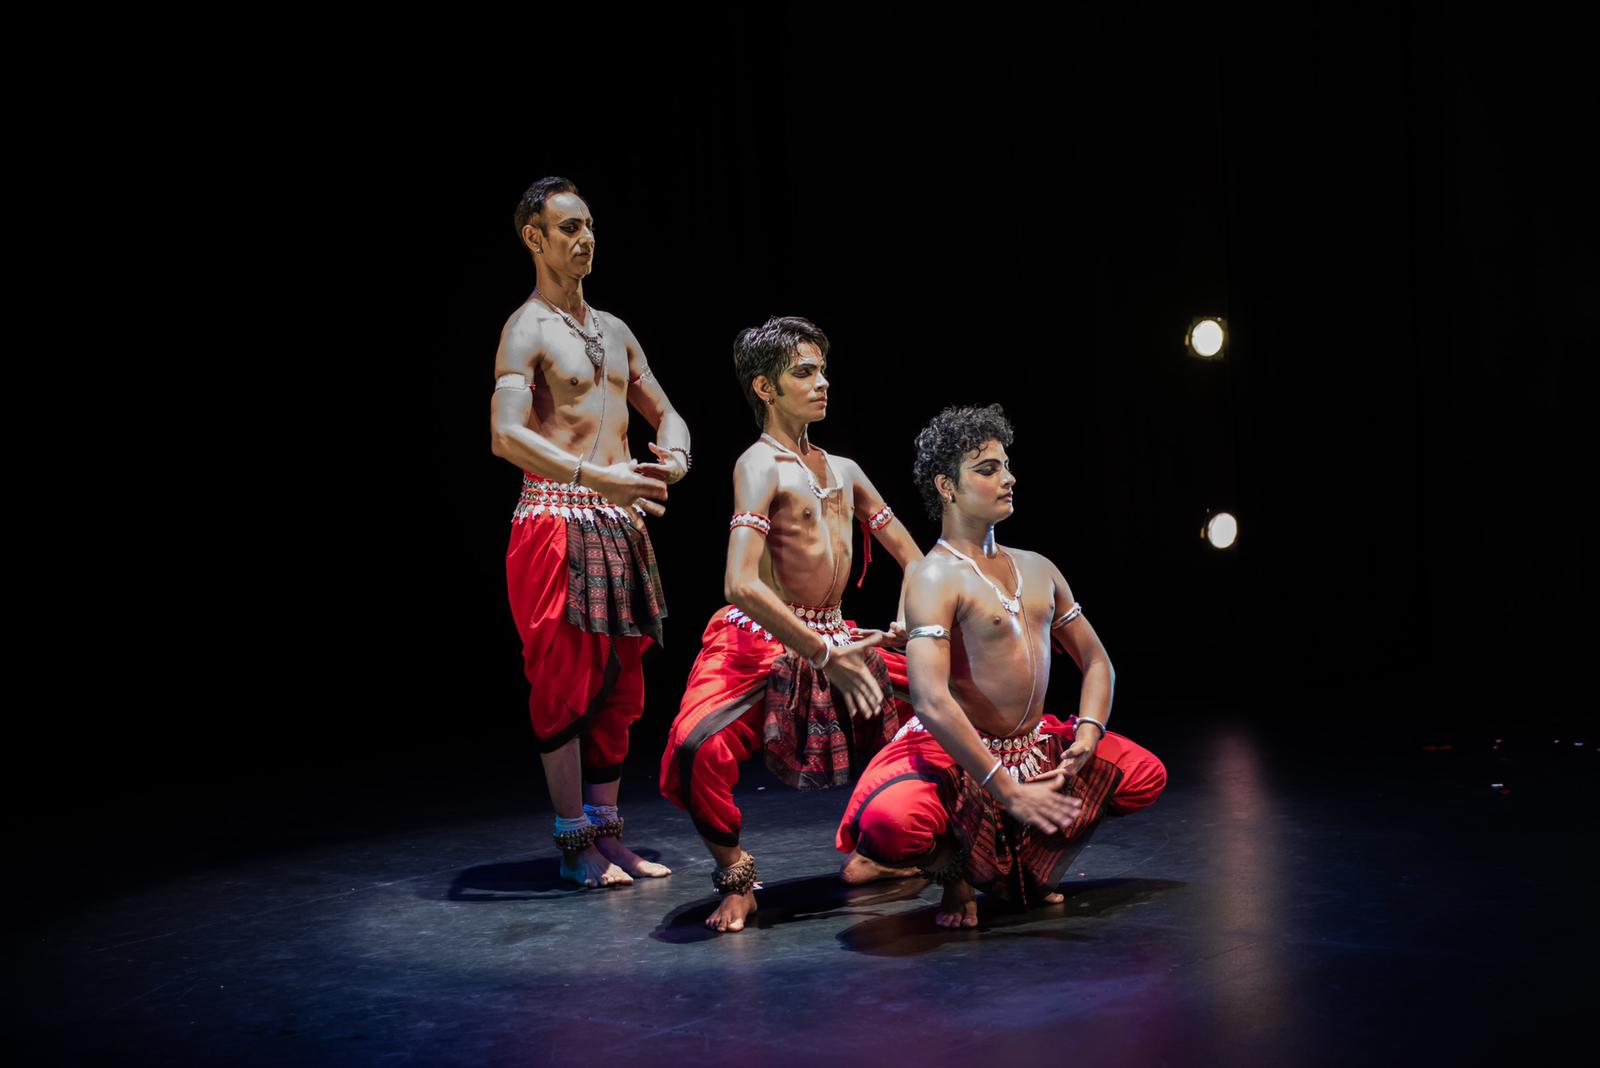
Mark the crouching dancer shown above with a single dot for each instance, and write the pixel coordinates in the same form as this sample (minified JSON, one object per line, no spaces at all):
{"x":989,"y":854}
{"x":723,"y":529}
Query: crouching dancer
{"x":982,"y":788}
{"x":774,"y":665}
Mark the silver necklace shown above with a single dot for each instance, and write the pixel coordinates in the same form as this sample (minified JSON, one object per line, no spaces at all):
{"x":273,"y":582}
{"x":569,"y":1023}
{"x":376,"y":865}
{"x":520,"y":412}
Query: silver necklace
{"x":594,"y":345}
{"x":821,"y":491}
{"x":1013,"y":603}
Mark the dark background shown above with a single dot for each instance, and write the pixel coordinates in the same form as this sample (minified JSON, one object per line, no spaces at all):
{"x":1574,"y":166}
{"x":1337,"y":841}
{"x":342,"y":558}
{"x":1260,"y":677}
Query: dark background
{"x":1391,"y":212}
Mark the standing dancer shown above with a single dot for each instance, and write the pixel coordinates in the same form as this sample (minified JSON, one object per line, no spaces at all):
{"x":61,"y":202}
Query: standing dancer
{"x":982,"y":787}
{"x":771,"y":662}
{"x":584,"y":587}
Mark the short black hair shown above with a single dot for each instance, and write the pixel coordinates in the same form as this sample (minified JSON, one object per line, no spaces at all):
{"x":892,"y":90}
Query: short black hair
{"x":768,"y":350}
{"x":952,"y":434}
{"x":532,"y":202}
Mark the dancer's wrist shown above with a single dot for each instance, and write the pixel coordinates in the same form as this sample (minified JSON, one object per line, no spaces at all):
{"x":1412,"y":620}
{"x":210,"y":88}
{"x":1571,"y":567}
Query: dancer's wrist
{"x":820,"y":661}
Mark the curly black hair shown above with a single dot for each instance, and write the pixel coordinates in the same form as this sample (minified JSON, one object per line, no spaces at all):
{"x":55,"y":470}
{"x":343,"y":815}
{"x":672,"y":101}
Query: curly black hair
{"x":952,"y":434}
{"x":768,"y":350}
{"x":532,"y":202}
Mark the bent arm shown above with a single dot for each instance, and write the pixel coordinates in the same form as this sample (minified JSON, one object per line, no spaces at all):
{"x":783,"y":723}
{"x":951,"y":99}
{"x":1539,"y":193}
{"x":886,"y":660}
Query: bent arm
{"x":893,"y":535}
{"x":755,"y":484}
{"x":1077,"y":638}
{"x":650,"y":400}
{"x":511,"y":438}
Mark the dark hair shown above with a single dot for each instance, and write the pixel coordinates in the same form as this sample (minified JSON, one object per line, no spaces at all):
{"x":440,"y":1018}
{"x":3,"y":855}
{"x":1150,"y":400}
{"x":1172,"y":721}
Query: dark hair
{"x":767,"y":350}
{"x":532,"y":202}
{"x":952,"y":434}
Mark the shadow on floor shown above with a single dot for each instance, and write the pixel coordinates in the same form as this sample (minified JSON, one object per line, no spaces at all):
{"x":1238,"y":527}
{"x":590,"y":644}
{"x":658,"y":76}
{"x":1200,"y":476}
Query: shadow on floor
{"x":520,"y":880}
{"x":908,"y":934}
{"x":789,"y":901}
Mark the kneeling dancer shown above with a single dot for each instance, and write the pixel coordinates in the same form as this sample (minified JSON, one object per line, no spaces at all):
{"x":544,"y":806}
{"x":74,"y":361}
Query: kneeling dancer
{"x":982,"y":788}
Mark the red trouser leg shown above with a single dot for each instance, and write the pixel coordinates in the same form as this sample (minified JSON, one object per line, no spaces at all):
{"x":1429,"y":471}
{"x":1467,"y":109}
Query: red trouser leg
{"x":605,"y":733}
{"x":1143,"y":774}
{"x":896,"y":816}
{"x":718,"y":727}
{"x":713,"y":769}
{"x":580,"y":684}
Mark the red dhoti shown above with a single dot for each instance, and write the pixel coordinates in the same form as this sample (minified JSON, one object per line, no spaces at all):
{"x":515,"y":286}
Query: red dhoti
{"x":586,"y":596}
{"x":914,"y":804}
{"x":747,"y":694}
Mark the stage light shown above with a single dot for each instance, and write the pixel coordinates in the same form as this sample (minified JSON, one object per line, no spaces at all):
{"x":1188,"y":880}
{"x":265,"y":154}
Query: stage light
{"x":1221,"y":530}
{"x":1207,"y":337}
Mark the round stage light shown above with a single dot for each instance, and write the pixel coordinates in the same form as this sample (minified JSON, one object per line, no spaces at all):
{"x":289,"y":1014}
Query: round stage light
{"x":1206,"y":338}
{"x":1221,"y":530}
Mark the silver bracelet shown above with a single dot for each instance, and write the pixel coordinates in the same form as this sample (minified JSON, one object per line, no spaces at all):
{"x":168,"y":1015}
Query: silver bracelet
{"x":989,"y":776}
{"x":1097,"y":723}
{"x":827,"y":651}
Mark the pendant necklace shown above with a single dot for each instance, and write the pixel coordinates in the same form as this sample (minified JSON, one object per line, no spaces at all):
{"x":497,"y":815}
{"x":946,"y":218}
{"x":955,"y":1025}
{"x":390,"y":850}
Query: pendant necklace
{"x":1013,"y":604}
{"x":594,"y":345}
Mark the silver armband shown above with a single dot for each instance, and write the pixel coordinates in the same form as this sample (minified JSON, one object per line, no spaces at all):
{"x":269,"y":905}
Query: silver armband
{"x":1067,"y":617}
{"x":511,"y":380}
{"x":928,"y":632}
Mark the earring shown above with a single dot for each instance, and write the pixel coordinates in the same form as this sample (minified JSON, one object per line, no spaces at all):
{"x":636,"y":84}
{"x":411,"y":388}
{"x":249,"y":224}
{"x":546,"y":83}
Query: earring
{"x":536,"y":248}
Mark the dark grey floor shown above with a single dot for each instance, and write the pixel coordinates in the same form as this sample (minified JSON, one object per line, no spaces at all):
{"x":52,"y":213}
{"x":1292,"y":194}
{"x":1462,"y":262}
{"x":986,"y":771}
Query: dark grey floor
{"x":1271,"y":909}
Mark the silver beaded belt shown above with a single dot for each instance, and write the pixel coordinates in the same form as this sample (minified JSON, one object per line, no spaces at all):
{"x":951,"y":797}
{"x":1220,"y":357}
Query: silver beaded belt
{"x":540,"y":496}
{"x":828,"y":622}
{"x":1022,"y":757}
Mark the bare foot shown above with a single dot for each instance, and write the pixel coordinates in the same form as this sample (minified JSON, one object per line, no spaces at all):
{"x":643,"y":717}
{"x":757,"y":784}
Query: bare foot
{"x":858,"y":869}
{"x":592,"y":869}
{"x":733,"y":911}
{"x":1055,"y":898}
{"x":629,"y":861}
{"x":958,"y":907}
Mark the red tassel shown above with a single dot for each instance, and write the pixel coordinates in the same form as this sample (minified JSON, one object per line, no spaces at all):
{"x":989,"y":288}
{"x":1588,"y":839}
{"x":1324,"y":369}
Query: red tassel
{"x":866,"y":552}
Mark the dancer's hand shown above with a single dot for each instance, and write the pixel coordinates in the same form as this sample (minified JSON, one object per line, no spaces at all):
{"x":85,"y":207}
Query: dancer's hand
{"x":896,"y":638}
{"x":674,"y":462}
{"x":629,"y":483}
{"x":893,"y":638}
{"x":1076,"y":755}
{"x":847,"y":670}
{"x":1040,"y":802}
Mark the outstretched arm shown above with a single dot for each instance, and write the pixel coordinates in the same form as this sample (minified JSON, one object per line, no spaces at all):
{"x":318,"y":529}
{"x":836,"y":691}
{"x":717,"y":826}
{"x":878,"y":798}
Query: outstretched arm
{"x":931,"y":604}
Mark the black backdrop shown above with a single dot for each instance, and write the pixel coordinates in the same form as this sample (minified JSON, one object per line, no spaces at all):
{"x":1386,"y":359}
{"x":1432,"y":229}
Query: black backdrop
{"x":1389,"y":211}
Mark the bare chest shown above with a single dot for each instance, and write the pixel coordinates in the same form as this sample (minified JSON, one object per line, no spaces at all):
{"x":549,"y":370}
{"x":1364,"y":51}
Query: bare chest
{"x":995,"y":618}
{"x":571,"y":376}
{"x":802,"y":513}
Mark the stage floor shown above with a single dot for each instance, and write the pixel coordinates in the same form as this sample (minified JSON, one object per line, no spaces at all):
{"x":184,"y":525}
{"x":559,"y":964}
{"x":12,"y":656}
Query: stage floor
{"x":1275,"y":907}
